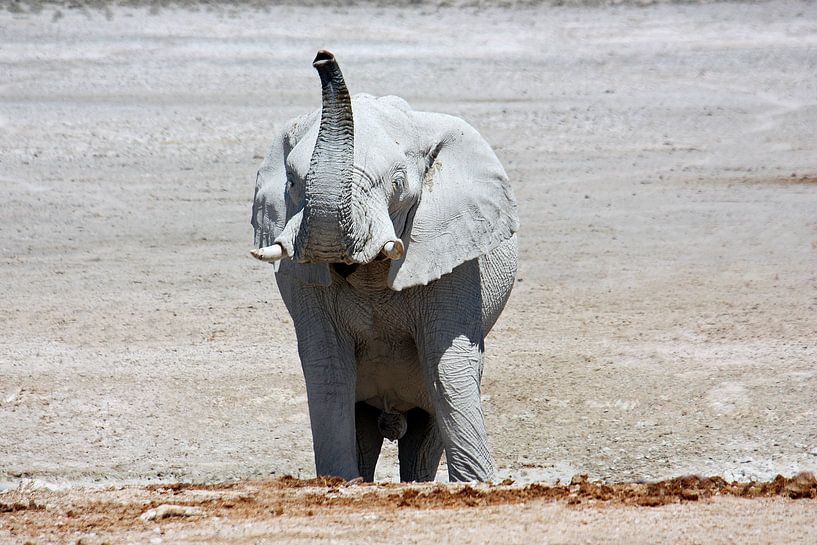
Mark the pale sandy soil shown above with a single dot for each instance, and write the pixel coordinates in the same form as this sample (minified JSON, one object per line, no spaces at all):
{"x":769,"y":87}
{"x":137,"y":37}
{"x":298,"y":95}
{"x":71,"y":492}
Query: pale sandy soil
{"x":665,"y":318}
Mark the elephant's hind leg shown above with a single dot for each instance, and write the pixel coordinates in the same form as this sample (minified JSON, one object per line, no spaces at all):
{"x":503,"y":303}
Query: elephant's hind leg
{"x":369,"y":439}
{"x":420,"y":449}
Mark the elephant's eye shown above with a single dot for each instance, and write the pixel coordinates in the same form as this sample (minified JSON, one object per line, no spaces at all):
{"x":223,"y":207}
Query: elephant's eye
{"x":293,"y":188}
{"x":398,"y":180}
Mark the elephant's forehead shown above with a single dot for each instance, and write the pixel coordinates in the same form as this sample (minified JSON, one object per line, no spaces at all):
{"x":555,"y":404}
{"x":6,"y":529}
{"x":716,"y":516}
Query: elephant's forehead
{"x":376,"y":148}
{"x":383,"y":132}
{"x":376,"y":118}
{"x":383,"y":135}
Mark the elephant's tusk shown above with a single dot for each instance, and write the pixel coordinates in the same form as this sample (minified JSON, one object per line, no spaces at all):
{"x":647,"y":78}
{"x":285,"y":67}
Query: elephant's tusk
{"x":393,"y":249}
{"x":269,"y":253}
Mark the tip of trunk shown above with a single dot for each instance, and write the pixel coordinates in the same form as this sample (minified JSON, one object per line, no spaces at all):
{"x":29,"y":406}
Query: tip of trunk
{"x":329,"y":71}
{"x":323,"y":57}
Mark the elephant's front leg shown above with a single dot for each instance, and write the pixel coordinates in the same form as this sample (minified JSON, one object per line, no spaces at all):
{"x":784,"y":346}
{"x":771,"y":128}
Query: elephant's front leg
{"x":450,"y":342}
{"x":328,"y":362}
{"x":454,"y":375}
{"x":330,"y":389}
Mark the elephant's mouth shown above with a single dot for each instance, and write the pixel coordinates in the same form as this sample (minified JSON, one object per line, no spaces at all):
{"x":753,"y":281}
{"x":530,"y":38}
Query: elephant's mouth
{"x":357,"y":250}
{"x":345,"y":270}
{"x":293,"y":243}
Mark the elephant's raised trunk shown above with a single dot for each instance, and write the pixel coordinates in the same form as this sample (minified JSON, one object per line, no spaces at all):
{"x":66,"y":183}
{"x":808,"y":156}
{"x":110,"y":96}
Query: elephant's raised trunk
{"x":341,"y":220}
{"x":328,"y":184}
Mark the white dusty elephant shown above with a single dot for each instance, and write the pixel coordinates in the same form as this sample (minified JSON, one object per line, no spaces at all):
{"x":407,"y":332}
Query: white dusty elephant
{"x":393,"y":236}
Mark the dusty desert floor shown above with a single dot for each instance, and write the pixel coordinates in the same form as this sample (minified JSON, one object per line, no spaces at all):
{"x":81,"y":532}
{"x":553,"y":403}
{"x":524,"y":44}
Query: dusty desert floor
{"x":287,"y":510}
{"x":664,"y":322}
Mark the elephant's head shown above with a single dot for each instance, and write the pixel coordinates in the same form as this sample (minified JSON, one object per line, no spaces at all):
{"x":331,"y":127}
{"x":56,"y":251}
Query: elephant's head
{"x":369,"y":178}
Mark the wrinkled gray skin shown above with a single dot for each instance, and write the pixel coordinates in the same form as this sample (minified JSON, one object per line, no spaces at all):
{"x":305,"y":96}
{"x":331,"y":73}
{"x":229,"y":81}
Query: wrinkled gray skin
{"x":389,"y":348}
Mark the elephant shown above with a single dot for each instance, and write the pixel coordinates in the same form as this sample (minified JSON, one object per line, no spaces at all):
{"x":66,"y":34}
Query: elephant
{"x":393,"y":238}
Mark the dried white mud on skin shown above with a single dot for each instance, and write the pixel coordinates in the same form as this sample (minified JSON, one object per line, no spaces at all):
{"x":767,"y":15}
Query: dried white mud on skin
{"x":243,"y":510}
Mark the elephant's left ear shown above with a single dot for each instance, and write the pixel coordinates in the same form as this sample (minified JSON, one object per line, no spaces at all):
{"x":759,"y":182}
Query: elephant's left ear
{"x":466,"y":208}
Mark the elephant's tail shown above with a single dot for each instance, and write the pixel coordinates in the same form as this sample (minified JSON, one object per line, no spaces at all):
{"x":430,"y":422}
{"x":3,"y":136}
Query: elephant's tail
{"x":392,"y":426}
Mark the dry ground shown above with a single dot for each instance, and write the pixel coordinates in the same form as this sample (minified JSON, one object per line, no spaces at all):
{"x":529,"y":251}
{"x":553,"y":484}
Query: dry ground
{"x":664,"y":321}
{"x":287,"y":510}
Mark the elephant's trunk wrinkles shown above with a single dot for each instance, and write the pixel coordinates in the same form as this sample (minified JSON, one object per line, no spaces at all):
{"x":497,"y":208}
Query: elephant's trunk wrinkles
{"x":326,"y":222}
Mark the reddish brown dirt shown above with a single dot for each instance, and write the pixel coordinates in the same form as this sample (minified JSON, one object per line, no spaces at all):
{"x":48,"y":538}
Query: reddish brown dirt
{"x":62,"y":514}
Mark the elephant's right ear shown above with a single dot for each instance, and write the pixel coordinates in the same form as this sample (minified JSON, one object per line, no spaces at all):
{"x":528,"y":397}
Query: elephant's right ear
{"x":466,"y":208}
{"x":272,"y":208}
